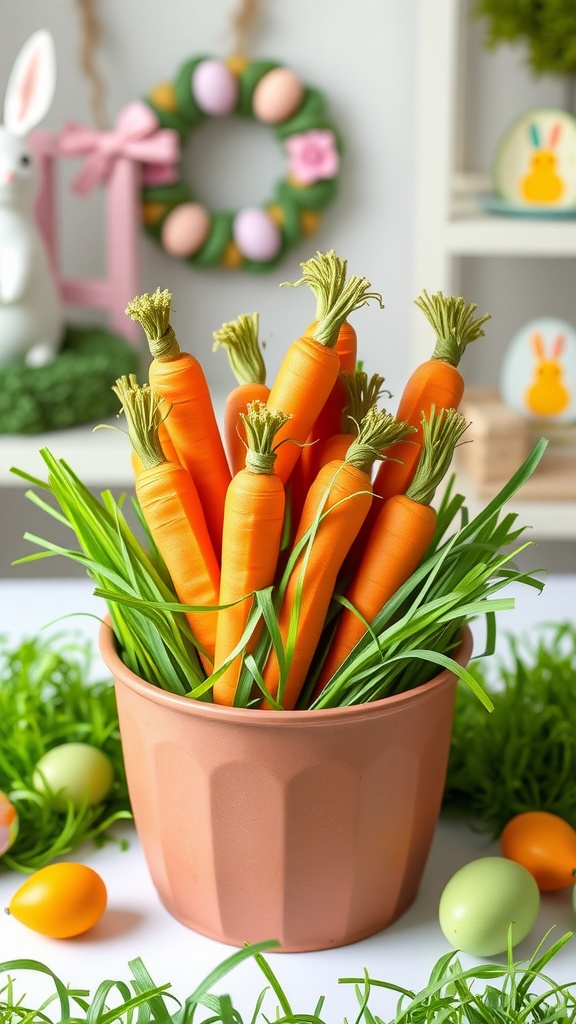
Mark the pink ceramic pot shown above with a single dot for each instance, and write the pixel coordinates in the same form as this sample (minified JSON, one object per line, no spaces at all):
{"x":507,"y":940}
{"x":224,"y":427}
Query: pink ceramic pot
{"x":310,"y":827}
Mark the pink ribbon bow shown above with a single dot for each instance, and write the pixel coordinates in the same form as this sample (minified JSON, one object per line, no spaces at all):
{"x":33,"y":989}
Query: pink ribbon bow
{"x":135,"y":136}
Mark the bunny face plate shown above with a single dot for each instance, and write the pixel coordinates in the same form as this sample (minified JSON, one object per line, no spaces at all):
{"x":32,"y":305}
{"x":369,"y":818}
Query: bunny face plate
{"x":538,"y":378}
{"x":534,"y":168}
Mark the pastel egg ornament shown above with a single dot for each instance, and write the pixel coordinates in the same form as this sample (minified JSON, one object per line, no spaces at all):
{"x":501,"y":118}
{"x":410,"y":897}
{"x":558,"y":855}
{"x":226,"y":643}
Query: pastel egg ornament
{"x":9,"y":823}
{"x":74,"y":773}
{"x":545,"y":844}
{"x":277,"y":96}
{"x":185,"y":229}
{"x":214,"y":88}
{"x":483,"y":900}
{"x":257,"y":236}
{"x":61,"y":900}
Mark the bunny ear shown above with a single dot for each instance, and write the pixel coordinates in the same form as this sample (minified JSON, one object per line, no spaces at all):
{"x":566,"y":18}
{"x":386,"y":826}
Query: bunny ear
{"x":554,"y":134}
{"x":538,"y":345}
{"x":558,"y":346}
{"x":31,"y":84}
{"x":534,"y":135}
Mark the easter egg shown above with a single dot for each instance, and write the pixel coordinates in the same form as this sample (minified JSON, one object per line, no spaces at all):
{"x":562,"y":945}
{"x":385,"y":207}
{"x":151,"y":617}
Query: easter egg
{"x":185,"y":229}
{"x":214,"y":88}
{"x":545,"y":845}
{"x":277,"y":96}
{"x":256,"y":235}
{"x":61,"y":900}
{"x":76,"y":773}
{"x":482,"y":900}
{"x":8,"y":823}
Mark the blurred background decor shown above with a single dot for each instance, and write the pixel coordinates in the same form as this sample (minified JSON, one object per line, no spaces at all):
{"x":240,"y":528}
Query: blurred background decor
{"x":56,"y":374}
{"x":534,"y":167}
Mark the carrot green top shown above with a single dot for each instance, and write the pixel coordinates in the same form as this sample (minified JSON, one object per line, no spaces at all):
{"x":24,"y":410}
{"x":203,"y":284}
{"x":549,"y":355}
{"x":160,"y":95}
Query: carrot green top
{"x":441,"y":433}
{"x":240,"y":338}
{"x":153,"y":313}
{"x":453,"y":322}
{"x":142,"y":409}
{"x":377,"y":431}
{"x":261,"y":424}
{"x":363,"y":392}
{"x":337,"y":295}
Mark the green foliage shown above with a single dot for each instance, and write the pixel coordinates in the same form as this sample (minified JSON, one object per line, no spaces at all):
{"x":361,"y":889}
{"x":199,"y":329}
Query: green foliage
{"x":412,"y":637}
{"x":465,"y":575}
{"x":546,"y":27}
{"x":156,"y":643}
{"x":46,"y":700}
{"x":522,"y":757}
{"x":526,"y":995}
{"x":74,"y":388}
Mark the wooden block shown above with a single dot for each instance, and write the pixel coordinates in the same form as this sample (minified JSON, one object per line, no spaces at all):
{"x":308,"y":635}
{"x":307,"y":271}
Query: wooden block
{"x":554,"y":479}
{"x":497,"y":440}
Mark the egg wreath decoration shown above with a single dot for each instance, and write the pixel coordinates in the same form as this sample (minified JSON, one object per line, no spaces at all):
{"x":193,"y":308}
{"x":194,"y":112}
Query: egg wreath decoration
{"x":255,"y":237}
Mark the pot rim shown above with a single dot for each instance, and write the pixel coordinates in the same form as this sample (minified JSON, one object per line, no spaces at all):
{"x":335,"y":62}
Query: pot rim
{"x":281,"y":719}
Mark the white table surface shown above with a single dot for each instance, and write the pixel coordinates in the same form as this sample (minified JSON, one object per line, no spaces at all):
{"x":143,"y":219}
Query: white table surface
{"x":135,"y":923}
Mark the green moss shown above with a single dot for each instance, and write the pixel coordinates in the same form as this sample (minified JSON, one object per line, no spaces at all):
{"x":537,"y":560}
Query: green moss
{"x":522,"y":756}
{"x":75,"y":388}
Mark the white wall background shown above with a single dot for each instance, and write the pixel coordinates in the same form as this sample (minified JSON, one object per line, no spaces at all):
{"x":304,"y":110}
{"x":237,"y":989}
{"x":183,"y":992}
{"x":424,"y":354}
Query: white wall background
{"x":359,"y":55}
{"x":362,"y":55}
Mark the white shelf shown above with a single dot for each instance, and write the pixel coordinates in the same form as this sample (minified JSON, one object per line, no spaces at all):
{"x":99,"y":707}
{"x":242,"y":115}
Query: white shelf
{"x":100,"y":457}
{"x":450,"y":223}
{"x":470,"y":231}
{"x":546,"y":520}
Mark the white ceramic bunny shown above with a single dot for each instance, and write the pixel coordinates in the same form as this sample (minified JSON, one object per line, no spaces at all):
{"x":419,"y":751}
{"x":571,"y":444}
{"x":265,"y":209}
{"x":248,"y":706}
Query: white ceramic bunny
{"x":30,"y":310}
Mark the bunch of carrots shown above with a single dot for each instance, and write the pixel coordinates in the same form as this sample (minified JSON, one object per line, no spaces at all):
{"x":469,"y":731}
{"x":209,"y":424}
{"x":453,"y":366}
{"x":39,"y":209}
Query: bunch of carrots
{"x":287,"y":533}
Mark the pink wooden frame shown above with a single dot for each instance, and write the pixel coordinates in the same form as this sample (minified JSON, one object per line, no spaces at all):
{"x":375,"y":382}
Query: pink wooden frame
{"x":120,"y":283}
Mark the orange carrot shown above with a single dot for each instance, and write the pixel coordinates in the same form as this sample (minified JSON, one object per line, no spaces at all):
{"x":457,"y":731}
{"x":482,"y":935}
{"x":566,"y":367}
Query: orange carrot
{"x":173,"y":512}
{"x":335,"y":509}
{"x":178,"y":377}
{"x":362,"y":392}
{"x":311,"y":365}
{"x":329,"y":419}
{"x":253,"y":518}
{"x":400,"y":537}
{"x":327,"y":423}
{"x":240,"y":338}
{"x":437,"y":382}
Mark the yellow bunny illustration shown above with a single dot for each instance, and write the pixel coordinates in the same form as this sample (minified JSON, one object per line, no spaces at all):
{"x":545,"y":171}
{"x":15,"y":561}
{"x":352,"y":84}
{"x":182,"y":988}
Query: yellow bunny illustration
{"x":543,"y":184}
{"x":547,"y":394}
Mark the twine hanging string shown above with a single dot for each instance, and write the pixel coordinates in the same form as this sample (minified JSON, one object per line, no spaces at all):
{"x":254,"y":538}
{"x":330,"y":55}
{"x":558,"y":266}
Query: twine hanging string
{"x":91,"y":37}
{"x":244,"y":20}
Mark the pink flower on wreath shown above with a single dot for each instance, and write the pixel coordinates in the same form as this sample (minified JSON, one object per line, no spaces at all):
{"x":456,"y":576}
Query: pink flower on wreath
{"x":313,"y":155}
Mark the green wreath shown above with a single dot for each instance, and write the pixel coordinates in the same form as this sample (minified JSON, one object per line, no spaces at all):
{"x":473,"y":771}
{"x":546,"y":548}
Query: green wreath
{"x":254,"y":238}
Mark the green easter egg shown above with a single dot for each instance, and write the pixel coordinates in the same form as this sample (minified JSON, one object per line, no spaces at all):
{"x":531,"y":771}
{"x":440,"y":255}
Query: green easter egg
{"x":482,"y":900}
{"x":75,"y":772}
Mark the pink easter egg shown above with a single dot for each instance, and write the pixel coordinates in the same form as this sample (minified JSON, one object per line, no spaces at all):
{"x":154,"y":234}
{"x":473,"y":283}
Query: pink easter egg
{"x":277,"y":96}
{"x":256,"y":235}
{"x":185,"y":229}
{"x":214,"y":88}
{"x":8,"y":823}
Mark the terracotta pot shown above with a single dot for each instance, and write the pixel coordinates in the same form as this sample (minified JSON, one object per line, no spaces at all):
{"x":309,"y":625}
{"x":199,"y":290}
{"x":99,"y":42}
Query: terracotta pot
{"x":310,"y":827}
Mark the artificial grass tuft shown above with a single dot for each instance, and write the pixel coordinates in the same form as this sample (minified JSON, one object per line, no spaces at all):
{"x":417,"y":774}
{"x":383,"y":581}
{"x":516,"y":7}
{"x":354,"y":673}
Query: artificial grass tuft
{"x":75,"y":388}
{"x":522,"y":757}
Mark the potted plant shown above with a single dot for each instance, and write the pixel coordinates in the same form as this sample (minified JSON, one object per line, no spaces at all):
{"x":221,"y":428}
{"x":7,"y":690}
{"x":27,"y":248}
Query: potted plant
{"x":292,"y":802}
